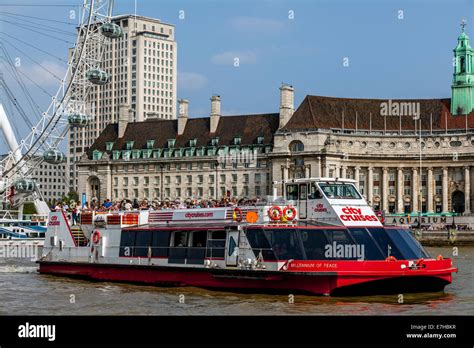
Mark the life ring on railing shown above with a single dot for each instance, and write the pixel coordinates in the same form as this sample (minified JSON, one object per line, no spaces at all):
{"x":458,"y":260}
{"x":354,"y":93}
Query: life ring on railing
{"x":391,"y":258}
{"x":96,"y":237}
{"x":291,"y":209}
{"x":275,"y":213}
{"x":237,"y":214}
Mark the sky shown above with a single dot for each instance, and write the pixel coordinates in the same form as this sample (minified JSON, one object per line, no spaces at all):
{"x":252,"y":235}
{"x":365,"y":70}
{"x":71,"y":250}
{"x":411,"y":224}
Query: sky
{"x":354,"y":49}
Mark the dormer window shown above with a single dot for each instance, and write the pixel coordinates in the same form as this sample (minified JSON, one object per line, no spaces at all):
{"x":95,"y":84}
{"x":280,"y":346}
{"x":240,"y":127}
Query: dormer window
{"x":96,"y":155}
{"x":171,"y":143}
{"x":215,"y":141}
{"x":260,"y":139}
{"x":192,"y":142}
{"x":129,"y":145}
{"x":109,"y":145}
{"x":149,"y":144}
{"x":237,"y":140}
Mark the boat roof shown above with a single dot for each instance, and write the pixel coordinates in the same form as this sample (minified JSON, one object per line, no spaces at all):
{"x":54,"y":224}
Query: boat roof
{"x":316,"y":179}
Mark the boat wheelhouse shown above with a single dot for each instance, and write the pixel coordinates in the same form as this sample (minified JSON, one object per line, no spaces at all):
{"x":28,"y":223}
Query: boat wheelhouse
{"x":321,"y":238}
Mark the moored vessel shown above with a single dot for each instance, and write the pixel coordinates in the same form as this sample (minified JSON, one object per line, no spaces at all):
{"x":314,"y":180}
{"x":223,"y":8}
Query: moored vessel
{"x":320,"y":238}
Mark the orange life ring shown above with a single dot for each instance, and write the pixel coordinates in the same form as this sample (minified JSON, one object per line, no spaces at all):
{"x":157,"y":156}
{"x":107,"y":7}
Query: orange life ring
{"x":237,"y":214}
{"x":96,"y":237}
{"x":440,"y":257}
{"x":391,"y":258}
{"x":274,"y":213}
{"x":293,"y":212}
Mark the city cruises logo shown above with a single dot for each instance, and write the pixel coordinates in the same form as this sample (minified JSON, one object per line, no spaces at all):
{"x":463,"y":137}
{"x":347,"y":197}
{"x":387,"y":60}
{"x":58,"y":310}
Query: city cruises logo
{"x":320,"y":208}
{"x":344,"y":251}
{"x":355,"y":214}
{"x":54,"y":221}
{"x":394,"y":108}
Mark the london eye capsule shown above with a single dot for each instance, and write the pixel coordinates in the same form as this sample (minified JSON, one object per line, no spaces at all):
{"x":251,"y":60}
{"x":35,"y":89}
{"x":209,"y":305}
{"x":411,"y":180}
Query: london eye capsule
{"x":24,"y":186}
{"x":54,"y":157}
{"x":98,"y":77}
{"x":111,"y":30}
{"x":78,"y":120}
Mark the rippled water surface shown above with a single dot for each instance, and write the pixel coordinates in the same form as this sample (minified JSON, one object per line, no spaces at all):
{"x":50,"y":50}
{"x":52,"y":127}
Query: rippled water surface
{"x":23,"y":291}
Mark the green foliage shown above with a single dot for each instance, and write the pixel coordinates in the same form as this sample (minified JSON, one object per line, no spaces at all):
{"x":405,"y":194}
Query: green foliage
{"x":29,"y":208}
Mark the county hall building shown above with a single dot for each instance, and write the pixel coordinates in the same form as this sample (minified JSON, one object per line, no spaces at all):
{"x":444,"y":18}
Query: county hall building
{"x":378,"y":143}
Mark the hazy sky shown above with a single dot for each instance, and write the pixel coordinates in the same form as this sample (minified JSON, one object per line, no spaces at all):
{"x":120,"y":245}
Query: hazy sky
{"x":394,"y":49}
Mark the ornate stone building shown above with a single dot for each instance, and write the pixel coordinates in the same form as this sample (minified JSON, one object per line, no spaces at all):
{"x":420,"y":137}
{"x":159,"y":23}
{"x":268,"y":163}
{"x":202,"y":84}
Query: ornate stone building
{"x":406,"y":155}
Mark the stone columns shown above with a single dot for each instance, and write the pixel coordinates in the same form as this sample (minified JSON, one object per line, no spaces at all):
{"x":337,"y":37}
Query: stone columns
{"x":319,"y":172}
{"x":400,"y":185}
{"x":343,"y":172}
{"x":370,"y":185}
{"x":429,"y":188}
{"x":307,"y":171}
{"x":467,"y":190}
{"x":356,"y":176}
{"x":385,"y":189}
{"x":414,"y":190}
{"x":445,"y":190}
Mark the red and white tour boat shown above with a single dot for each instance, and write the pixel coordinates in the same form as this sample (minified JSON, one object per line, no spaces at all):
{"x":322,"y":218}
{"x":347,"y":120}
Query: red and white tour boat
{"x":320,"y":238}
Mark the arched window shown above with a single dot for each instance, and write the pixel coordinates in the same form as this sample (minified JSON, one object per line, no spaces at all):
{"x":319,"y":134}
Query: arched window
{"x":296,"y":146}
{"x":463,"y":65}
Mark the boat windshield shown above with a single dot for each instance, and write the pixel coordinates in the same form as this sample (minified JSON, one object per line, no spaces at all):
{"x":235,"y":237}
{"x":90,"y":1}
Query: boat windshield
{"x":339,"y":191}
{"x":358,"y":243}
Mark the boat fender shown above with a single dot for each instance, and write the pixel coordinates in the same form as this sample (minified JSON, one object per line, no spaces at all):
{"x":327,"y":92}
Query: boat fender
{"x":391,"y":258}
{"x":289,"y":209}
{"x":275,"y":213}
{"x":96,"y":237}
{"x":237,"y":214}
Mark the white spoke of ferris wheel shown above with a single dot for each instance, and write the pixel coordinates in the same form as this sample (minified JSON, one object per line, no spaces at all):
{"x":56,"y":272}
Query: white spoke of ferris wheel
{"x":73,"y":91}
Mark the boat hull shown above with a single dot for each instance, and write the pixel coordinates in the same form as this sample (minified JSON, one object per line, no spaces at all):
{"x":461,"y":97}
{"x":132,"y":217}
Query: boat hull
{"x":288,"y":282}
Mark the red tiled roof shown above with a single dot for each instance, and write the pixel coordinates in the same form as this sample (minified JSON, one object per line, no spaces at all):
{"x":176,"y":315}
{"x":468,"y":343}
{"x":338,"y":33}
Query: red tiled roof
{"x":326,"y":112}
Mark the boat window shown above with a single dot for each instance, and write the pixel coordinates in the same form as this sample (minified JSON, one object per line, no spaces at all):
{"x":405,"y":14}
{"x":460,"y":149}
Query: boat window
{"x":371,"y":248}
{"x":260,"y":244}
{"x":386,"y":244}
{"x":142,"y":243}
{"x":314,"y":192}
{"x":292,"y":192}
{"x":314,"y":243}
{"x":410,"y":247}
{"x":216,"y":244}
{"x":160,"y":243}
{"x":303,"y":188}
{"x":180,"y":238}
{"x":127,"y":243}
{"x":285,"y":244}
{"x":199,"y":239}
{"x":339,"y":191}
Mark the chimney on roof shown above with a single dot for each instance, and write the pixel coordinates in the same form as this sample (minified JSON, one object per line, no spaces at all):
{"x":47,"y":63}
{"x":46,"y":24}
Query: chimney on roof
{"x":287,"y":103}
{"x":215,"y":112}
{"x":183,"y":106}
{"x":125,"y":116}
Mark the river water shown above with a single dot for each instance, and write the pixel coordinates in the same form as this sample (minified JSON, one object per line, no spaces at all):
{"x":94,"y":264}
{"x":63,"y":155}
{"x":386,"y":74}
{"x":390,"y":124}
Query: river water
{"x":25,"y":292}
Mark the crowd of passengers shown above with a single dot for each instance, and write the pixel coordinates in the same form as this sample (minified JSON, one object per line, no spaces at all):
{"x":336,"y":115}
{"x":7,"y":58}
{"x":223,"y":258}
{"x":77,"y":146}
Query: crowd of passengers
{"x":74,"y":209}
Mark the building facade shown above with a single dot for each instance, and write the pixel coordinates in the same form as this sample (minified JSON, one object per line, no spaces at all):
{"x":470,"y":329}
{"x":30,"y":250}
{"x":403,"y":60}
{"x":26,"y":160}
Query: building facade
{"x":142,"y":65}
{"x":51,"y":180}
{"x":406,"y":156}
